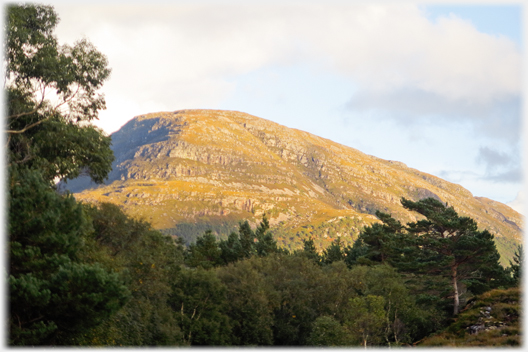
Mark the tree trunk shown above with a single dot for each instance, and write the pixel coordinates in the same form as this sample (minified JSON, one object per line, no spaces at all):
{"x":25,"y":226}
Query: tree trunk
{"x":455,"y":290}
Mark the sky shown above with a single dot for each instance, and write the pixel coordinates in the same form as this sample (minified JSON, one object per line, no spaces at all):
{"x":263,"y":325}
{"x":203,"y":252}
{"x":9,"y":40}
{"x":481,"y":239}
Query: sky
{"x":436,"y":86}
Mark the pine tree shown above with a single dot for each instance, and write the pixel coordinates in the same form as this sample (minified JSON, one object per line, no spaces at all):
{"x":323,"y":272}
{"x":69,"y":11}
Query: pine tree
{"x":441,"y":246}
{"x":53,"y":294}
{"x":453,"y":246}
{"x":309,"y":251}
{"x":247,"y":239}
{"x":265,"y":244}
{"x":205,"y":252}
{"x":333,"y":253}
{"x":516,"y":266}
{"x":230,"y":249}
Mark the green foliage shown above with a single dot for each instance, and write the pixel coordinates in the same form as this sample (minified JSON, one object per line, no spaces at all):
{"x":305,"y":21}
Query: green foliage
{"x":91,"y":275}
{"x":327,"y":331}
{"x":295,"y":280}
{"x":82,"y":150}
{"x":446,"y":249}
{"x":333,"y":253}
{"x":247,"y":240}
{"x":149,"y":261}
{"x":208,"y":253}
{"x":251,"y":302}
{"x":366,"y":319}
{"x":309,"y":251}
{"x":408,"y":318}
{"x":205,"y":252}
{"x":58,"y":288}
{"x":49,"y":90}
{"x":516,"y":266}
{"x":189,"y":232}
{"x":37,"y":64}
{"x":53,"y":294}
{"x":284,"y":295}
{"x":231,"y":249}
{"x":265,"y":244}
{"x":385,"y":242}
{"x":199,"y":300}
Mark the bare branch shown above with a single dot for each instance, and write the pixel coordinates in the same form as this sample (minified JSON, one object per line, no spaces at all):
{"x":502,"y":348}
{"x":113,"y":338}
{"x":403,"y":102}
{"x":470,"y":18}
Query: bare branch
{"x":26,"y":128}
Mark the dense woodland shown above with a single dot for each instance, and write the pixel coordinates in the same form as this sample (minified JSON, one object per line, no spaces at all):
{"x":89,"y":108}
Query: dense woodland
{"x":84,"y":274}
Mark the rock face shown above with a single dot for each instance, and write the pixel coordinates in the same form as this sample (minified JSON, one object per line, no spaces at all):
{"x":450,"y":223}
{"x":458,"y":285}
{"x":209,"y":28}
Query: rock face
{"x":207,"y":166}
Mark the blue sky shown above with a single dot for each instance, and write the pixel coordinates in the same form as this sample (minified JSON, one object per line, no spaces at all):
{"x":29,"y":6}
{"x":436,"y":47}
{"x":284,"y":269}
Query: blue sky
{"x":434,"y":86}
{"x":494,"y":19}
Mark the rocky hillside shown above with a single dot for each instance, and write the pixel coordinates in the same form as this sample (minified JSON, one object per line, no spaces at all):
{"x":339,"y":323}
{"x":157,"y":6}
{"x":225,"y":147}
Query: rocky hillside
{"x":490,"y":320}
{"x":197,"y":169}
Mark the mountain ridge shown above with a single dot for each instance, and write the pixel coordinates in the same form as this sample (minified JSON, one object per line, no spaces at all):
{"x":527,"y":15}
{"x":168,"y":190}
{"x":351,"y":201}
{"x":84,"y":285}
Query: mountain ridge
{"x":216,"y":166}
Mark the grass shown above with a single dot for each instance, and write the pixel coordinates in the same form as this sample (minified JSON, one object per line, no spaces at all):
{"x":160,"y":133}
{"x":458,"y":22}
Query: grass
{"x":502,"y":327}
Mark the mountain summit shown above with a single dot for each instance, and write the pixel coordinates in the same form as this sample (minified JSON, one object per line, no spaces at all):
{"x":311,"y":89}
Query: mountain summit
{"x":199,"y":169}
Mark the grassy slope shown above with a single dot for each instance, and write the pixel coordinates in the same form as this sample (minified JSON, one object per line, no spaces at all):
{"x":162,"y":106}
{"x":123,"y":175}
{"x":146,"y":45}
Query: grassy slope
{"x":499,"y":328}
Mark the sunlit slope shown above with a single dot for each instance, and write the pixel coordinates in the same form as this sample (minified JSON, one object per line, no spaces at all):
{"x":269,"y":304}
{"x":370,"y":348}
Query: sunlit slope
{"x":207,"y":166}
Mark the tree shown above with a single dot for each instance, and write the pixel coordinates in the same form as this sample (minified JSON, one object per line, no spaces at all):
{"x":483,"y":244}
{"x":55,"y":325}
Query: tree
{"x":442,"y":246}
{"x":54,"y":295}
{"x":333,"y":253}
{"x":265,"y":244}
{"x":57,"y":291}
{"x":516,"y":266}
{"x":230,"y":249}
{"x":309,"y":251}
{"x":52,"y":95}
{"x":384,"y":241}
{"x":199,"y":300}
{"x":327,"y":331}
{"x":405,"y":320}
{"x":205,"y":252}
{"x":251,"y":301}
{"x":452,"y":245}
{"x":150,"y":262}
{"x":247,"y":240}
{"x":366,"y":319}
{"x":43,"y":78}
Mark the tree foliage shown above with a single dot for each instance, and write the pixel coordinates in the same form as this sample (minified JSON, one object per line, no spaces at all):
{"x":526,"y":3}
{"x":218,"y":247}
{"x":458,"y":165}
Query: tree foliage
{"x":516,"y":266}
{"x":199,"y":300}
{"x":449,"y":249}
{"x":207,"y":252}
{"x":149,"y":262}
{"x":57,"y":291}
{"x":53,"y":293}
{"x":44,"y":78}
{"x":367,"y":319}
{"x":52,"y":95}
{"x":327,"y":331}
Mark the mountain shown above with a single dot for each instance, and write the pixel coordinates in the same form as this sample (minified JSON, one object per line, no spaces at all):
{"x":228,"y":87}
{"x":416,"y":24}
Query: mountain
{"x":191,"y":170}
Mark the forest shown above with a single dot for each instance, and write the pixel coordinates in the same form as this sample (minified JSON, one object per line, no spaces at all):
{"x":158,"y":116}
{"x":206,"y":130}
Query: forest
{"x":83,"y":274}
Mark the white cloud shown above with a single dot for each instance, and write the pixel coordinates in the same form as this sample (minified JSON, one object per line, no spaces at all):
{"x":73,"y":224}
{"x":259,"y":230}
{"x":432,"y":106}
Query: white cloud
{"x":387,"y":48}
{"x":181,"y":55}
{"x":519,"y":203}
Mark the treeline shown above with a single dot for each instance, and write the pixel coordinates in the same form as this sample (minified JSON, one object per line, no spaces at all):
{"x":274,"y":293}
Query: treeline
{"x":89,"y":275}
{"x":395,"y":285}
{"x":117,"y":282}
